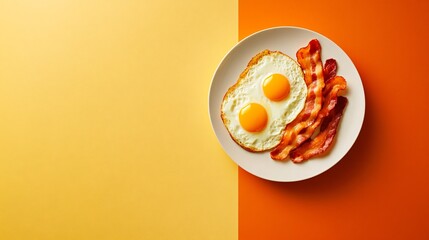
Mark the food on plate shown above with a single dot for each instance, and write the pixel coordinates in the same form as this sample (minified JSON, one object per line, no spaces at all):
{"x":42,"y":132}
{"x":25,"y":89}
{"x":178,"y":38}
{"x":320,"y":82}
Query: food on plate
{"x":328,"y":119}
{"x":310,"y":60}
{"x":324,"y":87}
{"x":330,"y":69}
{"x":323,"y":140}
{"x":268,"y":95}
{"x":290,"y":108}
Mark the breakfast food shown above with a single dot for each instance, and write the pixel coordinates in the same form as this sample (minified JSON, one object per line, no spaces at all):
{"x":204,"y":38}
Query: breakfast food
{"x":328,"y":120}
{"x":310,"y":61}
{"x":323,"y":140}
{"x":324,"y":87}
{"x":291,"y":109}
{"x":268,"y":95}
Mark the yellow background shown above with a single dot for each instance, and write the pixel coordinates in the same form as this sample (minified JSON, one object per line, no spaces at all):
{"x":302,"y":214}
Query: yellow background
{"x":104,"y":127}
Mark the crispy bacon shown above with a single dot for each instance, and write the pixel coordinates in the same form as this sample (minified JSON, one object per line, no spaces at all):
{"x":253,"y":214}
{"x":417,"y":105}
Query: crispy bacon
{"x":330,"y":69}
{"x":330,"y":95}
{"x":333,"y":84}
{"x":324,"y":139}
{"x":309,"y":58}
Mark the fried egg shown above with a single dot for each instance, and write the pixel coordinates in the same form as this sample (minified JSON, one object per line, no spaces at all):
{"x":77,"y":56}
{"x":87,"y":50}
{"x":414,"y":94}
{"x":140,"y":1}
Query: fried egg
{"x":268,"y":95}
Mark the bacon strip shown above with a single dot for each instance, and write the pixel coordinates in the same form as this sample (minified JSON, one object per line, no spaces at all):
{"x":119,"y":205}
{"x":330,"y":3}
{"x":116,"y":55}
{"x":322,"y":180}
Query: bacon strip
{"x":309,"y":58}
{"x":324,"y":139}
{"x":330,"y":95}
{"x":330,"y":69}
{"x":332,"y":87}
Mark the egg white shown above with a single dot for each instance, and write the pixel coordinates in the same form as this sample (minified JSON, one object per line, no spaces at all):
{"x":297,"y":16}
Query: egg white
{"x":248,"y":89}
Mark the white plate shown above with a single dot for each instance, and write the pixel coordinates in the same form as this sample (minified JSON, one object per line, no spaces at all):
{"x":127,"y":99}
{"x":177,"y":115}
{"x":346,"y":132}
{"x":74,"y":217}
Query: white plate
{"x":287,"y":40}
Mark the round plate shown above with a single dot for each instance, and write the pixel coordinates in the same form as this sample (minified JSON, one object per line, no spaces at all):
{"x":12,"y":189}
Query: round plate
{"x":288,"y":40}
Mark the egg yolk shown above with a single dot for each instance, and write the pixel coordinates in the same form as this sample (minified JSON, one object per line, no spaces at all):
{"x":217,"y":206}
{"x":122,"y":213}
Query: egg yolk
{"x":253,"y":117}
{"x":276,"y":87}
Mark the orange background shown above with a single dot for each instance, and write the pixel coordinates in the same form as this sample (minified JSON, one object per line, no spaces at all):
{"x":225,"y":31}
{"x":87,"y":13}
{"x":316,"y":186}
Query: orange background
{"x":379,"y":189}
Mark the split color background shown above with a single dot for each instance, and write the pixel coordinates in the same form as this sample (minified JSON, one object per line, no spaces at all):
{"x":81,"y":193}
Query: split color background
{"x":104,"y":132}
